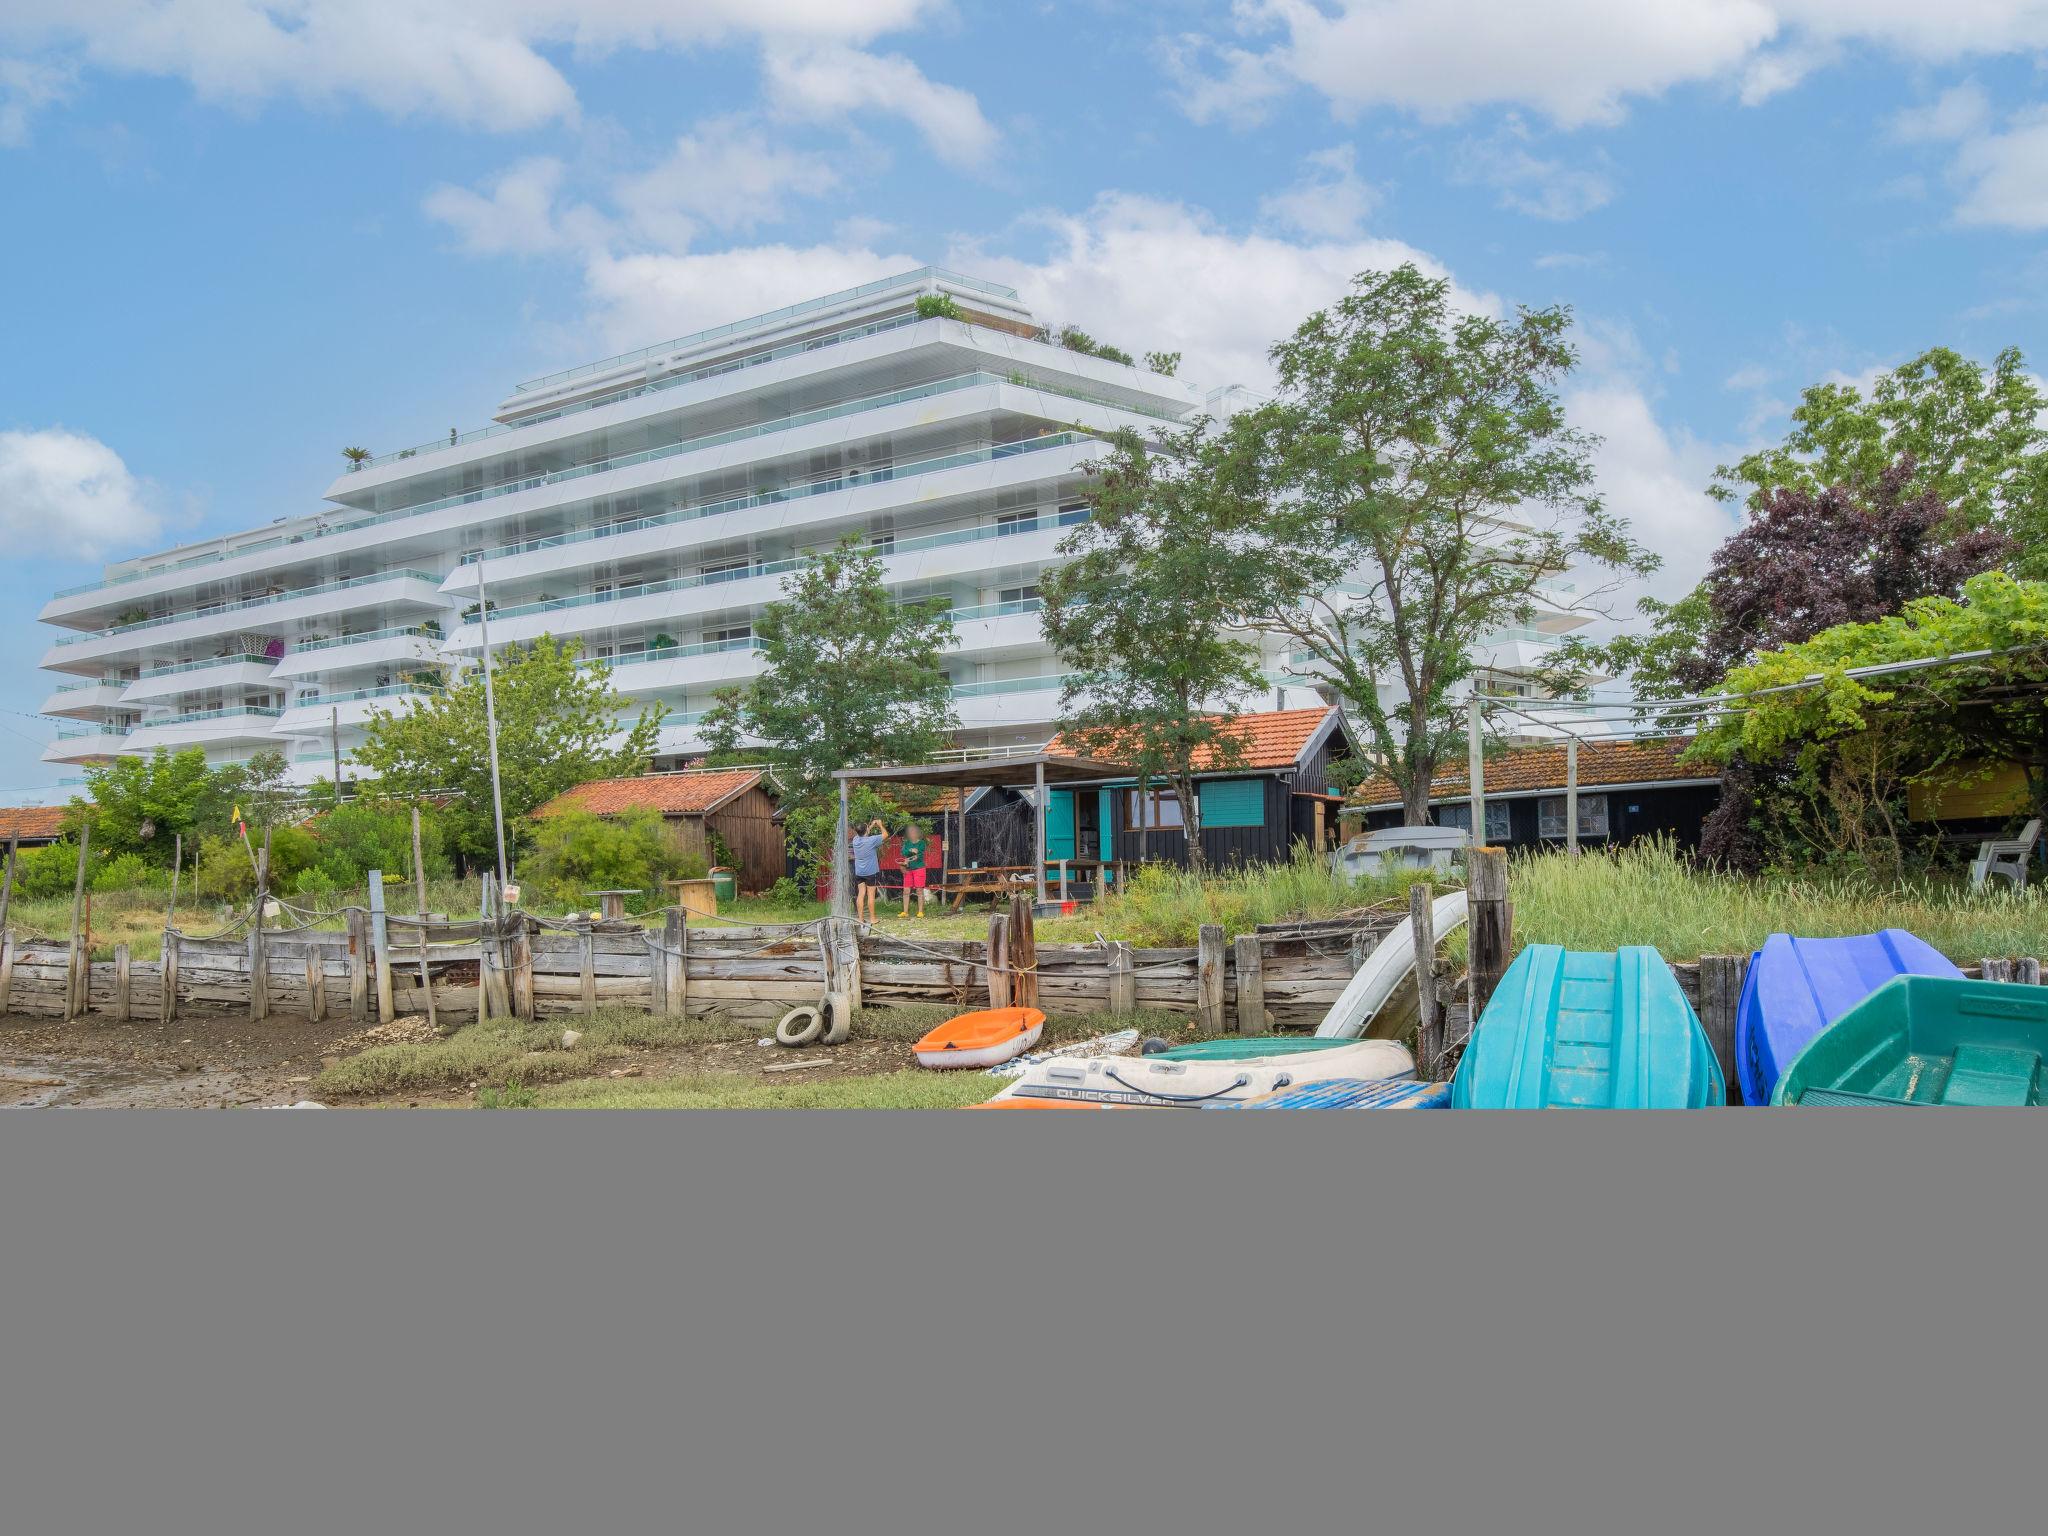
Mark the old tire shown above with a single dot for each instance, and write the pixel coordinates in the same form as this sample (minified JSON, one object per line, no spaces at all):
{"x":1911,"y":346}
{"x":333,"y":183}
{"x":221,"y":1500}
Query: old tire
{"x":799,"y":1027}
{"x":837,"y":1015}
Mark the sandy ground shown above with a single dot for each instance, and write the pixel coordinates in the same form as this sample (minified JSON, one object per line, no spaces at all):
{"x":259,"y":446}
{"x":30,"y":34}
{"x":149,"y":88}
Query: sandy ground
{"x":218,"y":1062}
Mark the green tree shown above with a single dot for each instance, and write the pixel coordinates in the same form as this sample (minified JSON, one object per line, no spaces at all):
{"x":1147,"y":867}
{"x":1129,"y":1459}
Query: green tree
{"x":1141,"y":613}
{"x":1419,"y":486}
{"x":1976,"y":436}
{"x":559,"y":725}
{"x":576,"y":852}
{"x":142,"y":805}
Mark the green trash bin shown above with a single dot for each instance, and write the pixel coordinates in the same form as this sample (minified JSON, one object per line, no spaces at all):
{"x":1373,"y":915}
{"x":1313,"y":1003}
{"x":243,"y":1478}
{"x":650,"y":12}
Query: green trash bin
{"x":725,"y":885}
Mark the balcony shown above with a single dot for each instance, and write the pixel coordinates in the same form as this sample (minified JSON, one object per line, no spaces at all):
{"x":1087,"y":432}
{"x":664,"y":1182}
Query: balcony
{"x":370,"y":647}
{"x":1008,"y":701}
{"x":348,"y":709}
{"x":671,"y":667}
{"x":231,"y":724}
{"x":216,"y":672}
{"x":86,"y":744}
{"x":84,"y":701}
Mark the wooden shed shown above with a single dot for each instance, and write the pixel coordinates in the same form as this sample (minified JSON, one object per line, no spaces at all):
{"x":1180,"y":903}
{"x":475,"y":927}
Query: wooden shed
{"x":723,"y":814}
{"x":31,"y":826}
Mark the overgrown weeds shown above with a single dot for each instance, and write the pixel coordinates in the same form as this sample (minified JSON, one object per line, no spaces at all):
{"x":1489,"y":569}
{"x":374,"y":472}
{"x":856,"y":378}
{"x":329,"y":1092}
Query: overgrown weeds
{"x":911,"y":1089}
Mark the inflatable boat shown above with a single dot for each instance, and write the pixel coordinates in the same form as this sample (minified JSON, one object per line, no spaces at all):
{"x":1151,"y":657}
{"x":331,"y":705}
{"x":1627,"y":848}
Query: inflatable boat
{"x":981,"y":1039}
{"x":1798,"y":987}
{"x":1163,"y":1082}
{"x":1585,"y":1030}
{"x":1351,"y":1093}
{"x":1928,"y":1040}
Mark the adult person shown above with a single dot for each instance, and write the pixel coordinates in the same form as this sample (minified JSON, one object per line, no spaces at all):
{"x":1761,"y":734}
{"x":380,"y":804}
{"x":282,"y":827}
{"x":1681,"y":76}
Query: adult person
{"x":914,"y":851}
{"x":867,"y":869}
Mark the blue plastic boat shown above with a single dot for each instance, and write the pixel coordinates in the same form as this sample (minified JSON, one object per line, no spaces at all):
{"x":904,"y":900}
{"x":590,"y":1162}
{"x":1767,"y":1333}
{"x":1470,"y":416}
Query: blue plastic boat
{"x":1350,"y":1093}
{"x":1798,"y":987}
{"x":1579,"y":1030}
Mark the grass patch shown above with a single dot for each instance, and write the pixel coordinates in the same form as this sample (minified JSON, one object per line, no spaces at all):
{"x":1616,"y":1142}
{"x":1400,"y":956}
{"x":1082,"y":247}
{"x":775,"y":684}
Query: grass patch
{"x":500,"y":1050}
{"x":1646,"y":894}
{"x":914,"y":1089}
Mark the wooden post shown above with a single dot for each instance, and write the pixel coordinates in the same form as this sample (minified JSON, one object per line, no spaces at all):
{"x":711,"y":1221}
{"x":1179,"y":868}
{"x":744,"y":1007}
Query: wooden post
{"x":1251,"y":986}
{"x":1020,"y":948}
{"x":316,"y":982}
{"x":657,"y":976}
{"x":589,"y":965}
{"x":74,"y":970}
{"x":522,"y":969}
{"x":1429,"y":1044}
{"x":419,"y":868}
{"x":842,"y":960}
{"x":1123,"y":979}
{"x":7,"y":883}
{"x":358,"y":965}
{"x":1720,"y":995}
{"x":1475,"y":765}
{"x":1997,"y":968}
{"x":1209,"y":976}
{"x":427,"y":978}
{"x":842,"y":855}
{"x":259,"y":965}
{"x":2027,"y":972}
{"x":1490,"y":923}
{"x":1571,"y":795}
{"x":123,"y":974}
{"x":167,"y":1008}
{"x":380,"y":948}
{"x":998,"y":959}
{"x":6,"y":966}
{"x":675,"y":960}
{"x":177,"y":867}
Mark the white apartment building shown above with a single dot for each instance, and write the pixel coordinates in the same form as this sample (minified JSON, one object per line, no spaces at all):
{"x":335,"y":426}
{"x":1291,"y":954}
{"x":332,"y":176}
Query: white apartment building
{"x":648,"y":505}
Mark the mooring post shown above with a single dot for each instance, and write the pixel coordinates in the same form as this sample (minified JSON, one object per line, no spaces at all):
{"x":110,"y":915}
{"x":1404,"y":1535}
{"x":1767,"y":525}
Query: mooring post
{"x":1490,"y":919}
{"x":358,"y":965}
{"x":259,"y":966}
{"x":675,"y":960}
{"x":75,"y":964}
{"x":7,"y":883}
{"x":380,"y":948}
{"x":1123,"y":979}
{"x":1429,"y":1044}
{"x":6,"y":966}
{"x":1251,"y":986}
{"x":122,"y":977}
{"x":1721,"y":979}
{"x":998,"y":959}
{"x":167,"y":1006}
{"x":1209,"y":977}
{"x":1020,"y":952}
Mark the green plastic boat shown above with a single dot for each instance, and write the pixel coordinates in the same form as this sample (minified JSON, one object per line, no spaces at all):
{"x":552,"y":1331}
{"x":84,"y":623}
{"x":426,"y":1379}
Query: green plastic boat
{"x":1927,"y":1040}
{"x":1249,"y":1047}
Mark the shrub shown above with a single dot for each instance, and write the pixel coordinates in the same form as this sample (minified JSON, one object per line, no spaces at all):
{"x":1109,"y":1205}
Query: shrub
{"x":355,"y":838}
{"x":937,"y":306}
{"x":577,"y":852}
{"x":123,"y":872}
{"x":788,"y":892}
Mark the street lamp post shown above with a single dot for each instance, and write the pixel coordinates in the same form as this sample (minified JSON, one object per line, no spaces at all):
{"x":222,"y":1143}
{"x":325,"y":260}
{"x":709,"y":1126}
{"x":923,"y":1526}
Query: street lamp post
{"x":483,"y":613}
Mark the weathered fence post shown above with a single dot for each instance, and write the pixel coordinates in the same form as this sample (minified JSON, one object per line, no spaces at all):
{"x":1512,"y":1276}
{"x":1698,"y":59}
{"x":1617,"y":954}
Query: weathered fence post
{"x":1429,"y":1043}
{"x":657,"y":976}
{"x":419,"y":868}
{"x":1209,"y":977}
{"x":675,"y":960}
{"x":1721,"y":979}
{"x":122,"y":975}
{"x":1997,"y":968}
{"x":358,"y":965}
{"x":1020,"y":947}
{"x":167,"y":1007}
{"x":380,"y":948}
{"x":2027,"y":972}
{"x":998,"y":960}
{"x":842,"y":953}
{"x":316,"y":982}
{"x":7,"y":883}
{"x":1251,"y":986}
{"x":6,"y":966}
{"x":1491,"y":923}
{"x":259,"y":964}
{"x":522,"y":968}
{"x":589,"y":936}
{"x":75,"y":964}
{"x":1123,"y":979}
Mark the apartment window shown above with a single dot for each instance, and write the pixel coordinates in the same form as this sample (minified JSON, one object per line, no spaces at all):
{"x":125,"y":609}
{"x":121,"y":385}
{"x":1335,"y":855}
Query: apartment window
{"x":1151,"y":808}
{"x":716,"y":570}
{"x":1008,"y":523}
{"x":1550,"y":816}
{"x":1074,"y":512}
{"x":882,"y":543}
{"x":1024,"y":594}
{"x":728,"y":634}
{"x":1497,"y":826}
{"x":604,"y":653}
{"x":602,"y":589}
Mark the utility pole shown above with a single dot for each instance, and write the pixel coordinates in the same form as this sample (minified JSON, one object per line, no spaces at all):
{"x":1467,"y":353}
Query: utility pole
{"x":1475,"y":750}
{"x":483,"y":613}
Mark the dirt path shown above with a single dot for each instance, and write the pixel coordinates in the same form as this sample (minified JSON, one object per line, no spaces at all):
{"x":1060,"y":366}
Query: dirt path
{"x":210,"y":1062}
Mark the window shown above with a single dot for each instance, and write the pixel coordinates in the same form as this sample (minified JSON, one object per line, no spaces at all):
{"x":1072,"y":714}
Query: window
{"x":1008,"y":523}
{"x":1074,"y":512}
{"x":1497,"y":826}
{"x":1024,"y":594}
{"x":723,"y":570}
{"x":1592,"y":816}
{"x":729,"y":634}
{"x":1151,"y":808}
{"x":882,"y":543}
{"x":1234,"y":803}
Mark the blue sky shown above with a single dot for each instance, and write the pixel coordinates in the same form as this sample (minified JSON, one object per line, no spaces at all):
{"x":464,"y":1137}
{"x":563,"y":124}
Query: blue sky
{"x":240,"y":234}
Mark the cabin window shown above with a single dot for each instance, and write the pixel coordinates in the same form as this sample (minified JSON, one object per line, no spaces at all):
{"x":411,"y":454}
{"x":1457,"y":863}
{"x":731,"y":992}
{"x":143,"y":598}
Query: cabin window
{"x":1234,"y":803}
{"x":1592,"y":816}
{"x":1497,"y":824}
{"x":1149,"y":808}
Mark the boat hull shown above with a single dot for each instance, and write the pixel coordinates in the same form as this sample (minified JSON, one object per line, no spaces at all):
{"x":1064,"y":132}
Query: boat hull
{"x":1928,"y":1040}
{"x":1798,"y":987}
{"x":1583,"y":1030}
{"x":1156,"y":1082}
{"x":984,"y":1039}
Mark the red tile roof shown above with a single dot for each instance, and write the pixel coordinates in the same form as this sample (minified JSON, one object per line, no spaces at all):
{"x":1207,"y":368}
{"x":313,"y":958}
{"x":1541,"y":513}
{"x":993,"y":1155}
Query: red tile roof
{"x":1273,"y":738}
{"x":672,"y":794}
{"x":1540,"y":768}
{"x":32,"y":823}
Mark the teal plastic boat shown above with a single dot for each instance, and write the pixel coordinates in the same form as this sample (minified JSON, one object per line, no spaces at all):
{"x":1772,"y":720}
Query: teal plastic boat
{"x":1579,"y":1030}
{"x":1248,"y":1047}
{"x":1927,"y":1040}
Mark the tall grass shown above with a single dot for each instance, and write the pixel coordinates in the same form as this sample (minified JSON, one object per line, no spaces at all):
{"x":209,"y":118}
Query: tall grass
{"x":1646,"y":893}
{"x":1165,"y":905}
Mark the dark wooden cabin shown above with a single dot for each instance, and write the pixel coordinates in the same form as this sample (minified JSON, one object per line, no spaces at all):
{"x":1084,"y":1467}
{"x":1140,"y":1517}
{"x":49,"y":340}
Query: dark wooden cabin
{"x":709,"y":807}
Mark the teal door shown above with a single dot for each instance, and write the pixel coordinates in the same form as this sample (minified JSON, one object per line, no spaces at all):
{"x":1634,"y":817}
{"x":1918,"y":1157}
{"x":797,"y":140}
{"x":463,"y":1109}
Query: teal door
{"x":1059,"y":825}
{"x":1105,"y":821}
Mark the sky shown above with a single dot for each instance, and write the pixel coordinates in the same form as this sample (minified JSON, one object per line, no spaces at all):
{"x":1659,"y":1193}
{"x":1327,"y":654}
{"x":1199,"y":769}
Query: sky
{"x":239,"y":235}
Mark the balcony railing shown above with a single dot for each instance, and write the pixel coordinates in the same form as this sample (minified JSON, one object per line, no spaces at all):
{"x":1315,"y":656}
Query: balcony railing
{"x":211,"y":661}
{"x":91,"y":682}
{"x":388,"y":691}
{"x":668,"y":653}
{"x":836,"y":480}
{"x":190,"y":716}
{"x":78,"y":732}
{"x":389,"y":633}
{"x":787,"y":312}
{"x":778,"y":567}
{"x":1004,"y":685}
{"x":996,"y":610}
{"x":267,"y":600}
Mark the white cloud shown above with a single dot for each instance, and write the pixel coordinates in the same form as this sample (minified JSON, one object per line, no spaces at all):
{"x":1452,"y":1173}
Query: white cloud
{"x":517,"y":215}
{"x":1961,"y":112}
{"x":1329,"y":201}
{"x":1574,"y":61}
{"x":27,"y":86}
{"x":1749,"y":378}
{"x":1528,"y":183}
{"x":2006,"y":174}
{"x":724,"y":175}
{"x":482,"y":63}
{"x":822,"y":84}
{"x":65,"y":493}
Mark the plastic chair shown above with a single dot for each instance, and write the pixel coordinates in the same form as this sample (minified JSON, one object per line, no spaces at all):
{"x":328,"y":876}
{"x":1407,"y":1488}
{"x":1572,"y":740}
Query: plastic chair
{"x":2005,"y":856}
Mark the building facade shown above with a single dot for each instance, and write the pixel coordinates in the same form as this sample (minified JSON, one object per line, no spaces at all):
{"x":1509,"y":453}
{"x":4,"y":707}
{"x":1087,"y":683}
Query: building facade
{"x":647,"y":505}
